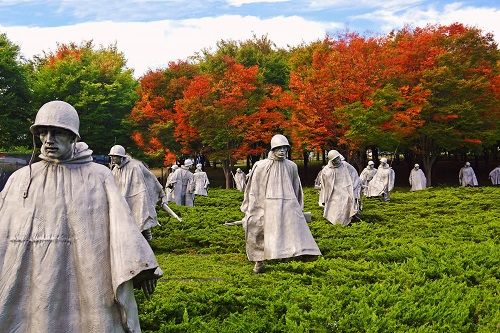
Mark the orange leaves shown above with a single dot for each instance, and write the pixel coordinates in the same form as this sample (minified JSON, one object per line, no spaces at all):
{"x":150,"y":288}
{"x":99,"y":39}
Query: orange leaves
{"x":473,"y":141}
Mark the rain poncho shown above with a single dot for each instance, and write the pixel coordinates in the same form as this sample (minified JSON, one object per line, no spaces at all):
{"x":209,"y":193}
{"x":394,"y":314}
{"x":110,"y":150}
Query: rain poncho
{"x":141,"y":190}
{"x":337,"y":194}
{"x":183,"y":195}
{"x":467,"y":177}
{"x":356,"y":181}
{"x":200,"y":183}
{"x":169,"y":187}
{"x":417,"y":180}
{"x":366,"y":176}
{"x":494,"y":176}
{"x":69,"y":250}
{"x":275,"y":226}
{"x":240,"y":180}
{"x":383,"y":181}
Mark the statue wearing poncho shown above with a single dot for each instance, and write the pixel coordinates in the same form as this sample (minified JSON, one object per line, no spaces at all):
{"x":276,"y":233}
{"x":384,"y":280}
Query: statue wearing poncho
{"x":69,"y":249}
{"x":275,"y":226}
{"x":337,"y":193}
{"x":417,"y":179}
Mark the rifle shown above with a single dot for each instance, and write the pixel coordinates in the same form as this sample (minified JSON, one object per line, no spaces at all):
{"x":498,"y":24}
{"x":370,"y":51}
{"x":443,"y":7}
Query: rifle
{"x":170,"y":212}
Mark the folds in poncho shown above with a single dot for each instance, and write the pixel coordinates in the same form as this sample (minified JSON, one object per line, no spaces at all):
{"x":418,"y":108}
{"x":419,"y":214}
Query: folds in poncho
{"x":337,"y":194}
{"x":417,"y":180}
{"x":495,"y":176}
{"x":200,"y":183}
{"x":275,"y":226}
{"x":169,"y":191}
{"x":141,"y":190}
{"x":183,"y":194}
{"x":467,"y":177}
{"x":68,"y":251}
{"x":382,"y":182}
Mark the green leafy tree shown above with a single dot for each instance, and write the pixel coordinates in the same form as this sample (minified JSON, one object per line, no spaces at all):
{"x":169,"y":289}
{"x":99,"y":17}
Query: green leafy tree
{"x":15,"y":97}
{"x":96,"y":82}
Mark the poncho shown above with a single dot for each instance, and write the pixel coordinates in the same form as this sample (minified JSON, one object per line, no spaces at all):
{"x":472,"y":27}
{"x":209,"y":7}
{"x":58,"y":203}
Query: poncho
{"x":275,"y":226}
{"x":69,"y":250}
{"x":337,"y":194}
{"x":382,"y":182}
{"x":240,"y":180}
{"x":141,"y":190}
{"x":417,"y":180}
{"x":467,"y":177}
{"x":183,"y":195}
{"x":169,"y":191}
{"x":356,"y":181}
{"x":200,"y":183}
{"x":366,"y":176}
{"x":494,"y":176}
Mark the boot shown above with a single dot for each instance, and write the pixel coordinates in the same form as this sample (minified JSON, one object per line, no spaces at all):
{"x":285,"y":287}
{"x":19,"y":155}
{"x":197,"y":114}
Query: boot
{"x":259,"y":267}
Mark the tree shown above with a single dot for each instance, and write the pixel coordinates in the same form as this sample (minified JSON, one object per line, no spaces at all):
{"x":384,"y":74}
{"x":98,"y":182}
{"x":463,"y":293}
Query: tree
{"x":15,"y":97}
{"x":96,"y":82}
{"x":458,"y":66}
{"x":213,"y":100}
{"x":153,"y":119}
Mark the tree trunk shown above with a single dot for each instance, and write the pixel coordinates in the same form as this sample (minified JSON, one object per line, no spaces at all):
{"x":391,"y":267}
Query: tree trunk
{"x":226,"y":167}
{"x":305,"y":155}
{"x":375,"y":160}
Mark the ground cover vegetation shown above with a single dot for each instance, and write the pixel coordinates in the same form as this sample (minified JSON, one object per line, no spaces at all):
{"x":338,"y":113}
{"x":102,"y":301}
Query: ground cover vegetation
{"x":423,"y":262}
{"x":424,"y":91}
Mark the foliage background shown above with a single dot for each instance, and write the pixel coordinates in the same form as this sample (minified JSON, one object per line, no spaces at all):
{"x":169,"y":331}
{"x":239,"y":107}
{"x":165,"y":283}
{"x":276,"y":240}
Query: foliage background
{"x":423,"y":262}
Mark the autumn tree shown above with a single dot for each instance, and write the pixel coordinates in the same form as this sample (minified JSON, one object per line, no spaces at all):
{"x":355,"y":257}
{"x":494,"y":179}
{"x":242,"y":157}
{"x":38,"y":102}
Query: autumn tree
{"x":15,"y":97}
{"x":213,"y":100}
{"x":96,"y":82}
{"x":458,"y":66}
{"x":156,"y":128}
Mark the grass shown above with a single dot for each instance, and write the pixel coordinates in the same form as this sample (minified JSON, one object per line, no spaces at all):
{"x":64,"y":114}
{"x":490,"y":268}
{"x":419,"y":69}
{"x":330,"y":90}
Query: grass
{"x":424,"y":262}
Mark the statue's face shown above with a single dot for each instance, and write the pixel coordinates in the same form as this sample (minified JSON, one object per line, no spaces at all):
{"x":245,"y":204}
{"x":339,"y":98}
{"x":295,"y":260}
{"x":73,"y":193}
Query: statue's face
{"x":416,"y":167}
{"x":57,"y":142}
{"x":337,"y":161}
{"x":370,"y":166}
{"x":116,"y":159}
{"x":280,"y":152}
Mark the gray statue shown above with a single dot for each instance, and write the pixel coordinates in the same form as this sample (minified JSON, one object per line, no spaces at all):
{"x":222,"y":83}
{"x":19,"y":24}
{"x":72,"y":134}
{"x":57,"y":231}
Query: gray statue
{"x":168,"y":185}
{"x":494,"y":176}
{"x":70,"y":251}
{"x":383,"y":182}
{"x":467,"y":176}
{"x":366,"y":176}
{"x":337,"y":194}
{"x":274,"y":222}
{"x":417,"y":179}
{"x":183,"y":194}
{"x":140,"y":188}
{"x":200,"y":181}
{"x":239,"y":179}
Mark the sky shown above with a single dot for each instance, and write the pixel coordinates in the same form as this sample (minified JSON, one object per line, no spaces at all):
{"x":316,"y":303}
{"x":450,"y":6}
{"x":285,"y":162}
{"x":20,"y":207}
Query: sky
{"x":151,"y":33}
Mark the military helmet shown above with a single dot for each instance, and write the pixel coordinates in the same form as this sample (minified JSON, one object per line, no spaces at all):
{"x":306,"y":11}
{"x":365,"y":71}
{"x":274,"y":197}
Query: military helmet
{"x":279,"y":140}
{"x":333,"y":154}
{"x":188,"y":162}
{"x":117,"y":150}
{"x":57,"y":114}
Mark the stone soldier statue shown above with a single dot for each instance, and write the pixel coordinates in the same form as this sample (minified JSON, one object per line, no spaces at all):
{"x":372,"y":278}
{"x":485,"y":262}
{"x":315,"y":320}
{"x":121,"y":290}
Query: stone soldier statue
{"x":239,"y":180}
{"x":140,"y":188}
{"x":366,"y":176}
{"x":494,"y":176}
{"x":200,"y":181}
{"x":383,"y":182}
{"x":168,"y":185}
{"x":183,"y":194}
{"x":337,"y":194}
{"x":417,"y":179}
{"x":467,"y":176}
{"x":275,"y":226}
{"x":70,"y":251}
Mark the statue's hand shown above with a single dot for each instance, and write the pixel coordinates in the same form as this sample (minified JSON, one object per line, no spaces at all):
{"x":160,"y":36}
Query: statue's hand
{"x":146,"y":280}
